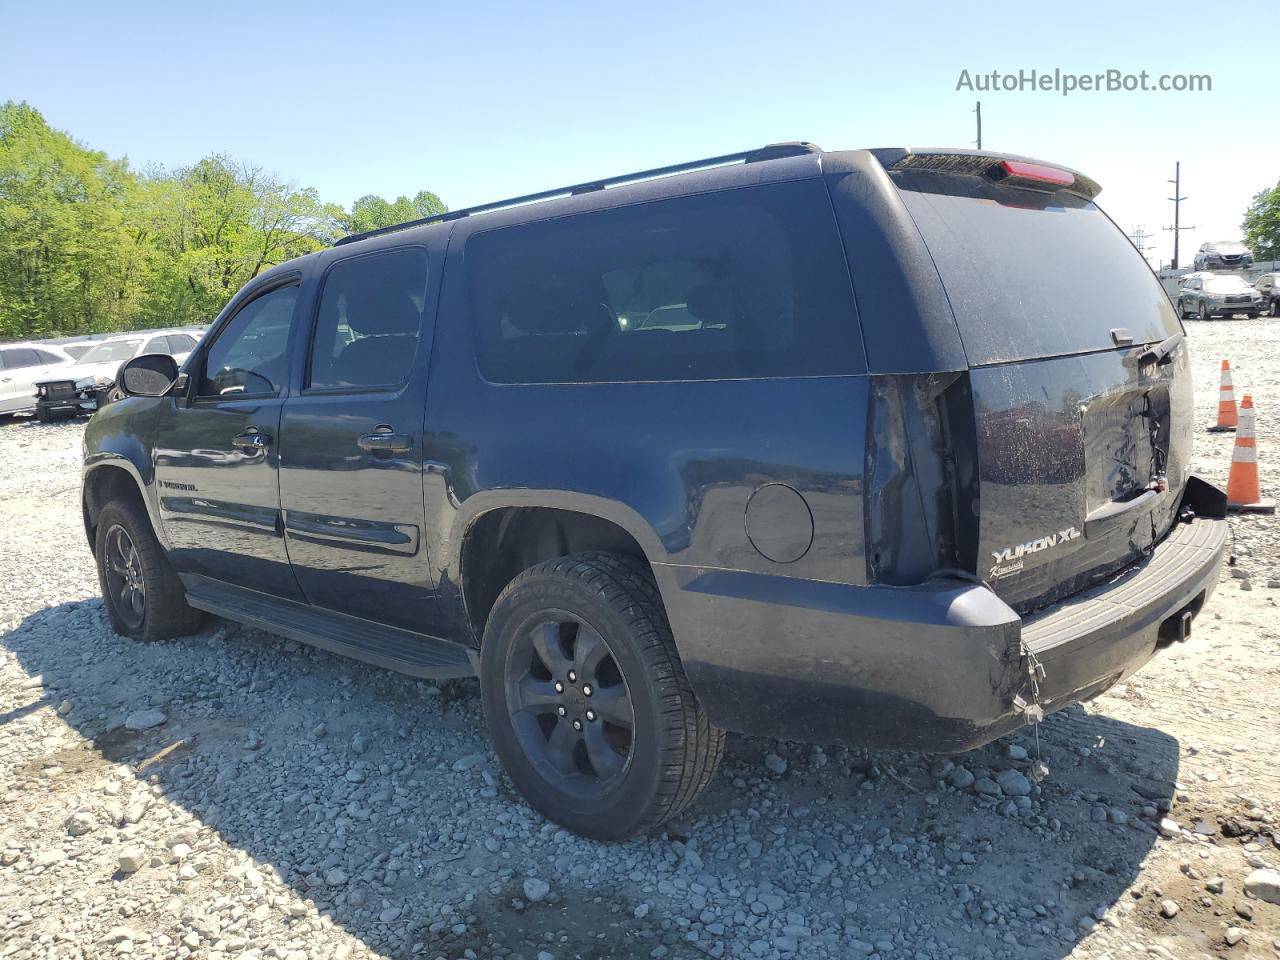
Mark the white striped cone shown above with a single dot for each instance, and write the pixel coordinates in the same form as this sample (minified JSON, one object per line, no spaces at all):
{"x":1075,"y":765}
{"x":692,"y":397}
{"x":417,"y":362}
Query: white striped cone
{"x":1243,"y":491}
{"x":1227,"y":417}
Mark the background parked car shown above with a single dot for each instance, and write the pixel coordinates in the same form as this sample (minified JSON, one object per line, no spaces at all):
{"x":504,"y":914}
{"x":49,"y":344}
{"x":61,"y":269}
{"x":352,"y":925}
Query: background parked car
{"x":1219,"y":296}
{"x":1223,"y":255}
{"x":1268,"y":287}
{"x":83,"y":387}
{"x":22,"y":365}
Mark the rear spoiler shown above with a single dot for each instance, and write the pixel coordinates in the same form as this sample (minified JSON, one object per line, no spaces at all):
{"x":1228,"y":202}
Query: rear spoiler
{"x":999,"y":167}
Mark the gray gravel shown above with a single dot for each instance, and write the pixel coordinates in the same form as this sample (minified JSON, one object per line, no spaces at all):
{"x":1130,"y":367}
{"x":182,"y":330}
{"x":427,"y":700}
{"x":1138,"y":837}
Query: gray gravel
{"x":233,"y":795}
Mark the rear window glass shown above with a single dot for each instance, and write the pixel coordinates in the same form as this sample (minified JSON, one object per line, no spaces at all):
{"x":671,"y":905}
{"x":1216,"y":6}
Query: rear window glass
{"x":1030,"y":274}
{"x":742,"y":283}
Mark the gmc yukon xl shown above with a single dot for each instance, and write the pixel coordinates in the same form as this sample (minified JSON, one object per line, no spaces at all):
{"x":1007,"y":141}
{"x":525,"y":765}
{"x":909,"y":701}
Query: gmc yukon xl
{"x":830,"y":446}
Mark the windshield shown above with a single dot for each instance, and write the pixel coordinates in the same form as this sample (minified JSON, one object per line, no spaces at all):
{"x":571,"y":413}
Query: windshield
{"x":1033,"y":274}
{"x":112,"y":350}
{"x":1225,"y":284}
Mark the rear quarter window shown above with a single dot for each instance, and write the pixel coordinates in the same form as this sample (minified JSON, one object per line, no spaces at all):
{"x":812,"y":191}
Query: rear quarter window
{"x":1032,"y":274}
{"x":737,"y":284}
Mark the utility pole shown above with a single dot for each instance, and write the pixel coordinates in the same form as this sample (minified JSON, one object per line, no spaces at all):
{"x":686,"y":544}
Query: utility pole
{"x":1177,"y":199}
{"x":978,"y":110}
{"x":1140,"y":238}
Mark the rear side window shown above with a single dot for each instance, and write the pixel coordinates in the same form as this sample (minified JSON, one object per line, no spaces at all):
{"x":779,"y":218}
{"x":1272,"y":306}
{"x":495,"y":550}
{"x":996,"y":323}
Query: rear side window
{"x":1031,"y":274}
{"x":21,"y":358}
{"x":44,"y":356}
{"x":370,"y":320}
{"x":742,"y":283}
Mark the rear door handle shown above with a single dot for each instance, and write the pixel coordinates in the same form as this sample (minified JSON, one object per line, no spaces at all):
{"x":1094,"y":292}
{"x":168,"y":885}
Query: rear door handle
{"x":251,"y":441}
{"x":383,"y":440}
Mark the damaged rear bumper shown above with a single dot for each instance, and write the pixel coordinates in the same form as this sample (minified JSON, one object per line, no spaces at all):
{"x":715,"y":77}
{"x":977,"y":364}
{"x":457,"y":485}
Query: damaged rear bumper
{"x":943,"y":667}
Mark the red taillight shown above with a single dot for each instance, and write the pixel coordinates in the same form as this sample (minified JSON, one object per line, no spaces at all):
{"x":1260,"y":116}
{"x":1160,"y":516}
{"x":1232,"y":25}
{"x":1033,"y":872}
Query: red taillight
{"x":1037,"y":171}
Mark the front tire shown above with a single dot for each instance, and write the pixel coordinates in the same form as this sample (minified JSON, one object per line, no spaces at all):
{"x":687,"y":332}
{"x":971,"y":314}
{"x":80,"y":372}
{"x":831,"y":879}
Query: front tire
{"x":586,"y":699}
{"x":1204,"y":312}
{"x":142,"y":594}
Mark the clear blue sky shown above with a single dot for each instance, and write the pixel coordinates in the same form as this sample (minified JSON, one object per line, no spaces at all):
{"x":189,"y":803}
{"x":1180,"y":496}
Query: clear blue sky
{"x":482,"y":101}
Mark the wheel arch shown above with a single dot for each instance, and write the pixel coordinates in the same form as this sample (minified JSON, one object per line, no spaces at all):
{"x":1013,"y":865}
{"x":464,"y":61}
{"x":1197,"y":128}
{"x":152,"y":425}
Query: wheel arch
{"x":498,"y":537}
{"x":112,"y":478}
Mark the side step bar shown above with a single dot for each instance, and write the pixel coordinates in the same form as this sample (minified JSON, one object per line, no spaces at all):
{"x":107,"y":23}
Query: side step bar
{"x":415,"y":654}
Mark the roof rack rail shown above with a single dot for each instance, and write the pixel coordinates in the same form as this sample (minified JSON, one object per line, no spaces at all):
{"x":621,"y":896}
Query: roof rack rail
{"x":770,"y":152}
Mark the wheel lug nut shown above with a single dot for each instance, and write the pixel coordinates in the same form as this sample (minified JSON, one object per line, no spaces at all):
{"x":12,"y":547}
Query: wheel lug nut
{"x":573,"y":677}
{"x":561,"y":710}
{"x":591,"y":714}
{"x":577,"y":724}
{"x":586,"y":689}
{"x":559,"y":687}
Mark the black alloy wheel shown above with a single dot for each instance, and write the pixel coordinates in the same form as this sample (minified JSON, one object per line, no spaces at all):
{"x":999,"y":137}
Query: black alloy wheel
{"x":587,"y":701}
{"x":126,"y":586}
{"x":570,"y":705}
{"x":143,"y":596}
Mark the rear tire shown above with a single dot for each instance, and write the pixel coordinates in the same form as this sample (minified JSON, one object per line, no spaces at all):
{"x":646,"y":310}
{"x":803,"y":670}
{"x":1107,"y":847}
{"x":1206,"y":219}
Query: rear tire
{"x":1274,"y":309}
{"x":142,"y":594}
{"x":623,"y":745}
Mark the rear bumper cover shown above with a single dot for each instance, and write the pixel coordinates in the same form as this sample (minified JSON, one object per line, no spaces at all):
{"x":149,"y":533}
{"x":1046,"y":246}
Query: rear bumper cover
{"x":939,"y":668}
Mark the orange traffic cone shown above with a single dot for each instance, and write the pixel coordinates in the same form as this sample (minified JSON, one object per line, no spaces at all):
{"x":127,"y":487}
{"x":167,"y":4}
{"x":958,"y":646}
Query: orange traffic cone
{"x":1243,"y":494}
{"x":1227,"y":418}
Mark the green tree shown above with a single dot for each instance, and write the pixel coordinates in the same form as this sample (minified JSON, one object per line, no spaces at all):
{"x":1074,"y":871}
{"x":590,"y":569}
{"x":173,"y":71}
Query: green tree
{"x":68,"y":261}
{"x":86,"y":244}
{"x":217,"y":225}
{"x":1262,"y":224}
{"x":371,"y":212}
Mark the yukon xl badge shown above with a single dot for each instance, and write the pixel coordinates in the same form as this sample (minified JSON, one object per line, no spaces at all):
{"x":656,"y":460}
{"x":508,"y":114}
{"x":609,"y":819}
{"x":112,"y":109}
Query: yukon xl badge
{"x":1009,"y":560}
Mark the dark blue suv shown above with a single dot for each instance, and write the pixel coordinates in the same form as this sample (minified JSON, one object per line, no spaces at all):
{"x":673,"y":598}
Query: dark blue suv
{"x":830,"y":446}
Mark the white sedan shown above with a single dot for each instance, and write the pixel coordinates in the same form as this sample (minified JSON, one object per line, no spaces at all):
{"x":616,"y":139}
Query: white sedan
{"x":22,"y":366}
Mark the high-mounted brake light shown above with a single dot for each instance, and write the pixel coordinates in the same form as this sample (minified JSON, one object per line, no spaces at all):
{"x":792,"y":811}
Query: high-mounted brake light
{"x":1022,"y":170}
{"x":1013,"y":172}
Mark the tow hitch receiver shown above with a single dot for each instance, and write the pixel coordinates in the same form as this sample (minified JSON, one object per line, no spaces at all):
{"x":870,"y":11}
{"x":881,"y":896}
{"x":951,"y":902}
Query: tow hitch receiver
{"x":1177,"y":627}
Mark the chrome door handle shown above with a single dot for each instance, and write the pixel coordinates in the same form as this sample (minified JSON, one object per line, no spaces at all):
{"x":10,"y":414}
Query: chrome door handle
{"x":251,"y":441}
{"x":384,"y":440}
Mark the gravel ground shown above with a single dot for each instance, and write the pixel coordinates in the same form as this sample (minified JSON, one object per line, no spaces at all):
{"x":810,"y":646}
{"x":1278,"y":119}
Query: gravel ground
{"x":232,"y":795}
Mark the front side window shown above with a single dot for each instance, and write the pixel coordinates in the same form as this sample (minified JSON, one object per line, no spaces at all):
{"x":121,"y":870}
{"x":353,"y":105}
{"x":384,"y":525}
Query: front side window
{"x":249,"y":356}
{"x":369,"y":321}
{"x":44,"y":356}
{"x":737,"y":284}
{"x":181,"y":343}
{"x":157,"y":345}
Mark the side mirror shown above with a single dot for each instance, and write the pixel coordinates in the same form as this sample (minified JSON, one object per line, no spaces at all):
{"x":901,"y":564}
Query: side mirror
{"x":150,"y":375}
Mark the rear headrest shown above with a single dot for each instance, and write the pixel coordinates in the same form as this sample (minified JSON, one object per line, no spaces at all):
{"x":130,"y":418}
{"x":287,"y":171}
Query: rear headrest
{"x":556,"y":308}
{"x":381,"y":310}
